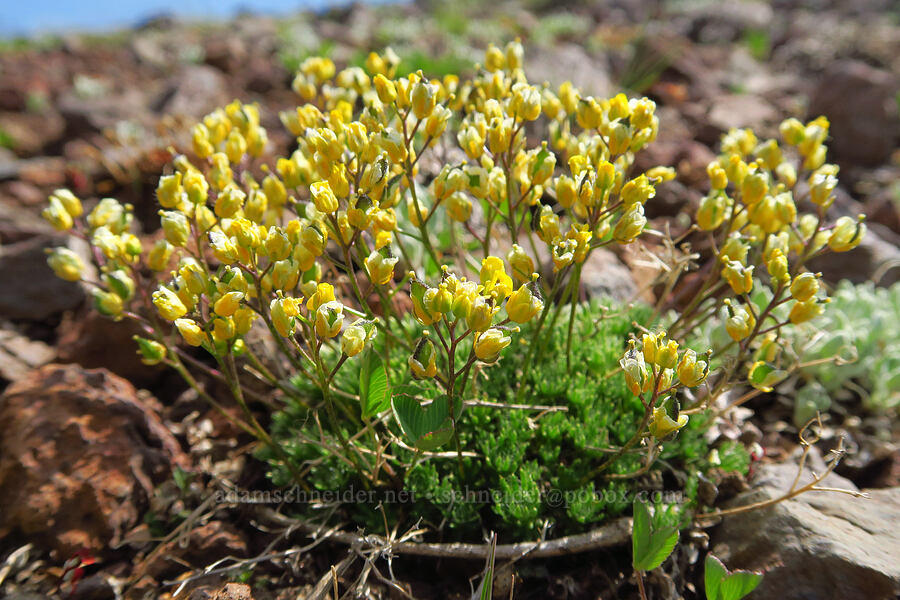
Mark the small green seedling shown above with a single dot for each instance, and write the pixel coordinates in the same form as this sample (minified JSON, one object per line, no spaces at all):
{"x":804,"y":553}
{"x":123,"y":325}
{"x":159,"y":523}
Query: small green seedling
{"x":722,"y":584}
{"x":652,"y":541}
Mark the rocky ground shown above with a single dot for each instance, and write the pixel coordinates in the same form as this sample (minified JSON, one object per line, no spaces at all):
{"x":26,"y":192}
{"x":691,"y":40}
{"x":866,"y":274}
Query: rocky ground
{"x":99,"y":452}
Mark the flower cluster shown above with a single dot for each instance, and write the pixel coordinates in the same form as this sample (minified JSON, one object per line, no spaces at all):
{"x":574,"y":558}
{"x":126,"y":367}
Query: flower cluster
{"x":400,"y":181}
{"x":655,"y":370}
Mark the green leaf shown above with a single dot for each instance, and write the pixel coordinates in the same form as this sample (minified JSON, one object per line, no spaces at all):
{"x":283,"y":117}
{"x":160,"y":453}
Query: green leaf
{"x":651,"y":545}
{"x":721,"y":584}
{"x":486,"y":587}
{"x":426,"y":427}
{"x":715,"y":571}
{"x":374,"y":391}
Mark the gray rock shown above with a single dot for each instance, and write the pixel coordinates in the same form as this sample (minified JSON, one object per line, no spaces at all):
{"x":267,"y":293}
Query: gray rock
{"x":194,"y":92}
{"x":30,"y":290}
{"x":861,"y":103}
{"x":877,"y":257}
{"x":818,"y":545}
{"x":605,"y":276}
{"x":571,"y":62}
{"x":19,"y":355}
{"x":741,"y":110}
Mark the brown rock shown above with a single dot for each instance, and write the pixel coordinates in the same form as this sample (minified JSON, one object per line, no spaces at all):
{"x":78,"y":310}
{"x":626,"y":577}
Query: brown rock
{"x":93,"y":341}
{"x":30,"y":290}
{"x":861,"y":103}
{"x":80,"y":453}
{"x":234,"y":591}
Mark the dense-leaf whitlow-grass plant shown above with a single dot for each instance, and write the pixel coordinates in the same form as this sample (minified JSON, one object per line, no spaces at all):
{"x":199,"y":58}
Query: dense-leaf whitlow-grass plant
{"x":402,"y":290}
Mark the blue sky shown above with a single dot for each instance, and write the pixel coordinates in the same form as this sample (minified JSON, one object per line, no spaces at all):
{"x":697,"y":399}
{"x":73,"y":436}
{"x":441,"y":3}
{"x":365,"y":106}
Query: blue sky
{"x":34,"y":17}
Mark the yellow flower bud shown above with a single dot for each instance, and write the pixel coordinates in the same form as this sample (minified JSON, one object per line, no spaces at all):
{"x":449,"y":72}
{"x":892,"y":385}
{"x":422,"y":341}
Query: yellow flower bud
{"x":494,"y":59}
{"x":391,"y":141}
{"x":777,"y":265}
{"x":806,"y":311}
{"x":243,"y":320}
{"x":324,"y":293}
{"x":712,"y":212}
{"x":667,"y":355}
{"x":385,"y":89}
{"x":588,"y":114}
{"x":480,"y":315}
{"x":353,"y":340}
{"x":692,"y":372}
{"x":229,"y":202}
{"x":524,"y":303}
{"x":246,"y":233}
{"x":489,"y":344}
{"x":471,"y":141}
{"x":637,"y":191}
{"x":65,"y":264}
{"x":223,"y":247}
{"x":57,"y":215}
{"x":228,"y":304}
{"x":522,"y":264}
{"x":323,"y":198}
{"x":108,"y":304}
{"x":109,"y":213}
{"x":191,"y":332}
{"x":718,"y":179}
{"x":565,"y":191}
{"x":754,"y":187}
{"x":630,"y":225}
{"x":329,"y":319}
{"x":739,"y":277}
{"x":195,"y":186}
{"x":314,"y":237}
{"x":423,"y":99}
{"x":804,"y":287}
{"x":526,"y":102}
{"x":792,"y":131}
{"x":635,"y":370}
{"x":283,"y":311}
{"x":70,"y":202}
{"x":740,"y":323}
{"x":423,"y":363}
{"x":278,"y":246}
{"x":380,"y":268}
{"x":168,"y":304}
{"x":662,"y":425}
{"x":459,"y":207}
{"x":222,"y":329}
{"x":494,"y":278}
{"x":176,"y":227}
{"x":847,"y":234}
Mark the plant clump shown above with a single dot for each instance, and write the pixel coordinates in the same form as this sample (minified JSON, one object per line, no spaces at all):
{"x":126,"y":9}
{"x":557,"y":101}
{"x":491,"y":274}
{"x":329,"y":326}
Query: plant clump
{"x":381,"y":285}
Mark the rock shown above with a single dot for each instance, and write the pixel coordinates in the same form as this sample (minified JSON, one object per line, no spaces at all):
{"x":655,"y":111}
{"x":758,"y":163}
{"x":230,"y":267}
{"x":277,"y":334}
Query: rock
{"x":30,"y":290}
{"x":861,"y":103}
{"x":194,"y":92}
{"x":818,"y":545}
{"x":741,"y":110}
{"x":877,"y":257}
{"x":234,"y":591}
{"x":86,"y":114}
{"x":605,"y":277}
{"x":30,"y":133}
{"x":19,"y":355}
{"x":727,"y":21}
{"x":80,"y":454}
{"x":94,"y":341}
{"x":557,"y":64}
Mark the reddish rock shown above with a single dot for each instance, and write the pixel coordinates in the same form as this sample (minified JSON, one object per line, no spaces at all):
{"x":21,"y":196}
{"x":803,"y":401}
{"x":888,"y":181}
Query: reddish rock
{"x":94,"y":341}
{"x":80,"y":454}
